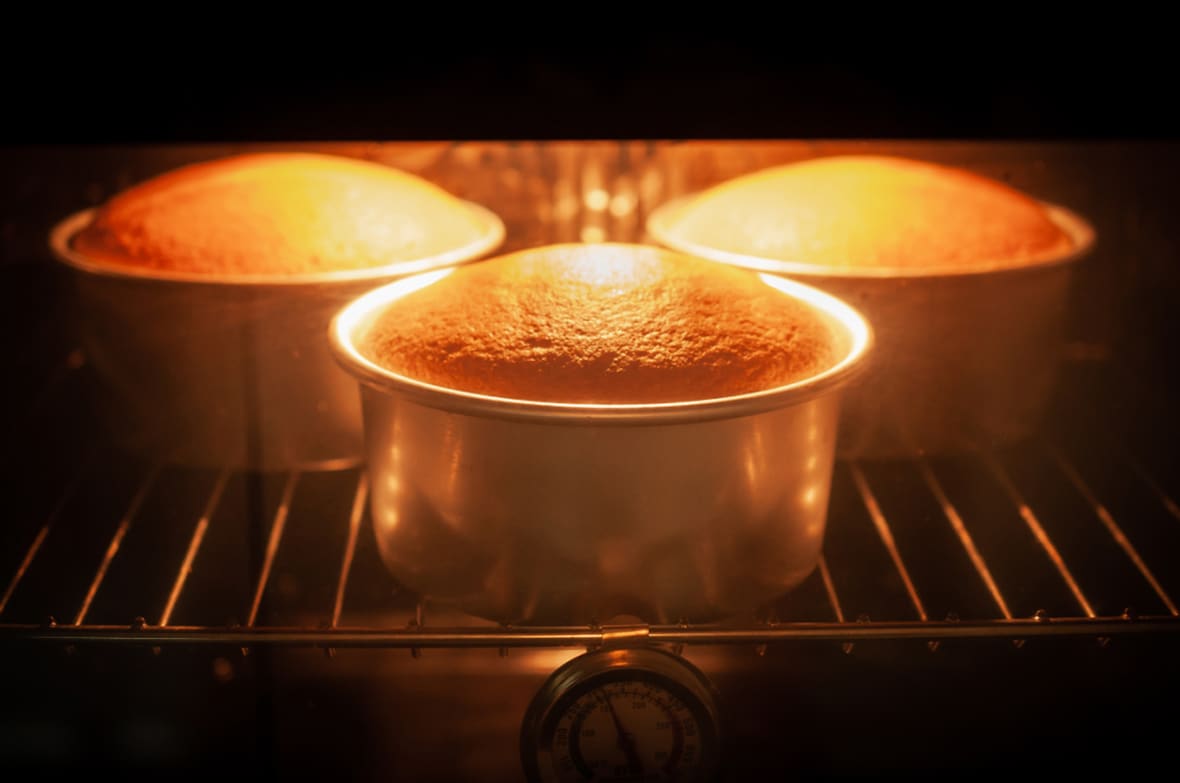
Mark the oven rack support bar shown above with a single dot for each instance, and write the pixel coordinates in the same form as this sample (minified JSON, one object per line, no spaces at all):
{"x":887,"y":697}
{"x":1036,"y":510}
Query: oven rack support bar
{"x":578,"y":636}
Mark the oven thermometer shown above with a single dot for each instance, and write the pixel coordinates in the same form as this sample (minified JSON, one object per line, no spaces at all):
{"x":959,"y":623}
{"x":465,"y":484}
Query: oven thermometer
{"x":635,"y":713}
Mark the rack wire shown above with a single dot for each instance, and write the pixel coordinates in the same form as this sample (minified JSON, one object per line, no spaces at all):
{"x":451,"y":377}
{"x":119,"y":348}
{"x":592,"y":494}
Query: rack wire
{"x":1010,"y":544}
{"x":865,"y":527}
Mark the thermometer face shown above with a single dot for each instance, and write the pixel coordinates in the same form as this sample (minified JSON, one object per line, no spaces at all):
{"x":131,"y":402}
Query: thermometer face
{"x":630,"y":714}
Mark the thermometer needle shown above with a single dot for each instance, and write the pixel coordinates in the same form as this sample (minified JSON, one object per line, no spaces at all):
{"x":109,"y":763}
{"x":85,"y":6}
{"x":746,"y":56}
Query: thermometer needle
{"x":626,"y":741}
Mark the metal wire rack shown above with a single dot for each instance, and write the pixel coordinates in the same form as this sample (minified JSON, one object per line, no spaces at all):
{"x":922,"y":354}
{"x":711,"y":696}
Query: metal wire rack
{"x":1013,"y":545}
{"x":987,"y":612}
{"x":1072,"y":534}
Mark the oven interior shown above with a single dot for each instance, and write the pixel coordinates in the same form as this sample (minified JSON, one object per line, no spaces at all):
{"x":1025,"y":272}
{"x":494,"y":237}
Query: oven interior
{"x":1013,"y":609}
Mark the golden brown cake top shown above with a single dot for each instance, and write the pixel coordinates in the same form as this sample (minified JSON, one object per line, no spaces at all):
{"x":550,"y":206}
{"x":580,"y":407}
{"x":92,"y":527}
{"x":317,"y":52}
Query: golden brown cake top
{"x":600,"y":323}
{"x":852,"y":211}
{"x":278,"y":214}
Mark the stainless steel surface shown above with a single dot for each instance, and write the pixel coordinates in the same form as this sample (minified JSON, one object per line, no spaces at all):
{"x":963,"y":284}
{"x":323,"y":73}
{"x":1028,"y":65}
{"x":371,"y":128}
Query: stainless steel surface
{"x":466,"y":637}
{"x":533,"y":512}
{"x":568,"y":191}
{"x":966,"y":358}
{"x":882,"y":526}
{"x":838,"y":678}
{"x":340,"y":528}
{"x":211,"y":372}
{"x":334,"y":636}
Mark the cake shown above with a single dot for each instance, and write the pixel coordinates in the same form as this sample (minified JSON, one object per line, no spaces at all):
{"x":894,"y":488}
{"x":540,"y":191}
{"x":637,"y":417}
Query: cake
{"x":204,"y":295}
{"x":868,"y":212}
{"x":964,"y":279}
{"x":278,"y":214}
{"x":600,"y":323}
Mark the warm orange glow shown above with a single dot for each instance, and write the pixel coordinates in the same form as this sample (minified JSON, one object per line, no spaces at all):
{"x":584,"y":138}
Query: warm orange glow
{"x":565,"y":205}
{"x":116,"y":542}
{"x":593,"y":234}
{"x":597,"y":199}
{"x":1034,"y":525}
{"x":284,"y":214}
{"x":952,"y":515}
{"x":272,"y":545}
{"x":882,"y":525}
{"x":1113,"y":528}
{"x":390,"y":486}
{"x":610,"y":323}
{"x":363,"y":309}
{"x":387,"y":519}
{"x":359,"y":504}
{"x":623,"y":204}
{"x":830,"y":589}
{"x":194,"y":546}
{"x":861,"y":333}
{"x":612,"y":267}
{"x":854,"y":214}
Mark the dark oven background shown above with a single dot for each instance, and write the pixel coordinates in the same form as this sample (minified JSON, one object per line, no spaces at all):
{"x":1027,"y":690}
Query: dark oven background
{"x":808,"y":708}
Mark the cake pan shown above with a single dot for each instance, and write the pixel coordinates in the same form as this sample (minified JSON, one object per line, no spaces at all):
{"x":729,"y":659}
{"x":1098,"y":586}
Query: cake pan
{"x":214,"y":372}
{"x":528,"y":511}
{"x":966,"y":358}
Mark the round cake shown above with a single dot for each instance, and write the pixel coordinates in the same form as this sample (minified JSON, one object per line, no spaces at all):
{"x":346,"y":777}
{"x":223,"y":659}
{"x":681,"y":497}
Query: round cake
{"x":278,"y":214}
{"x":600,"y":323}
{"x":852,"y":212}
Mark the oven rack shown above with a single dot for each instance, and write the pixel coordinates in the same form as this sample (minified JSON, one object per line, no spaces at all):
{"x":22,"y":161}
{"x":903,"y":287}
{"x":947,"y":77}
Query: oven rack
{"x":1073,"y":534}
{"x":924,"y":549}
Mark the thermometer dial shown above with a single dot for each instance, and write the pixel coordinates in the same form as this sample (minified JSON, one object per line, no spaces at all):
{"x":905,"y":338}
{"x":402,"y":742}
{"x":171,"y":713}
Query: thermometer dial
{"x":635,"y":714}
